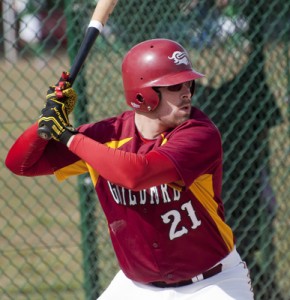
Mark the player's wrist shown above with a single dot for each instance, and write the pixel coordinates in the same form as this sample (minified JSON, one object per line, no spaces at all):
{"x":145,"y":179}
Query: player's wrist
{"x":67,"y":136}
{"x":69,"y":141}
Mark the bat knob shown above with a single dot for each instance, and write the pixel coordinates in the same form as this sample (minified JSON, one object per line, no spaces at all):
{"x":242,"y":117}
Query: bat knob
{"x":44,"y":132}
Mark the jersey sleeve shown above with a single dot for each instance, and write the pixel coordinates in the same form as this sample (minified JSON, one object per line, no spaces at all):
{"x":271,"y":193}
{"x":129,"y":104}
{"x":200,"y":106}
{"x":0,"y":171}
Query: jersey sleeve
{"x":194,"y":148}
{"x":30,"y":155}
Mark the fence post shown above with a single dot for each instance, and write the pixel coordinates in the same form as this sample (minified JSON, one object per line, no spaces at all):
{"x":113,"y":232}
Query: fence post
{"x":76,"y":24}
{"x":287,"y":98}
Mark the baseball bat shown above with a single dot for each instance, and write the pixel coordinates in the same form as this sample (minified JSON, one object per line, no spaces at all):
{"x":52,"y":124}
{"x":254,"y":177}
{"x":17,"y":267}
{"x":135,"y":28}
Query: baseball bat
{"x":100,"y":17}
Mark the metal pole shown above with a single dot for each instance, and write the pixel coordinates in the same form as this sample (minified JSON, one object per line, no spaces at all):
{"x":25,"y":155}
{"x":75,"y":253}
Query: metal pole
{"x":287,"y":97}
{"x":76,"y":23}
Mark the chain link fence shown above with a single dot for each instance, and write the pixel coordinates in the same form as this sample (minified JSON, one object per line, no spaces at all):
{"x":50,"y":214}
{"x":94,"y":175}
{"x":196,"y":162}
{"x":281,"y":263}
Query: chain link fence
{"x":54,"y":243}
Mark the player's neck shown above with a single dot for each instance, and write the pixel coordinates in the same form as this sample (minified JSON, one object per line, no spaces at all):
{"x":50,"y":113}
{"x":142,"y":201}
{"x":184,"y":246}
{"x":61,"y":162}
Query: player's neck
{"x":149,"y":128}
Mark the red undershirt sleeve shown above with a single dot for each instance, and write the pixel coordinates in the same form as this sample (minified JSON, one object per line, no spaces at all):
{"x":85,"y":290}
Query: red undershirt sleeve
{"x":130,"y":170}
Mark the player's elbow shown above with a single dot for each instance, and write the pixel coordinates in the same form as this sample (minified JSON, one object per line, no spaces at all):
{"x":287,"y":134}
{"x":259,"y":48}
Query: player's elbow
{"x":15,"y":166}
{"x":133,"y":181}
{"x":133,"y":186}
{"x":11,"y":166}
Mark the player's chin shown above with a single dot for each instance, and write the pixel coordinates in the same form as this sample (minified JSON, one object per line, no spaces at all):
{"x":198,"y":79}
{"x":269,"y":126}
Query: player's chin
{"x":183,"y":114}
{"x":181,"y":119}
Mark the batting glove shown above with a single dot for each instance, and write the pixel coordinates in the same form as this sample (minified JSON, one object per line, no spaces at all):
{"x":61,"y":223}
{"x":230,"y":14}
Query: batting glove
{"x":54,"y":116}
{"x":63,"y":92}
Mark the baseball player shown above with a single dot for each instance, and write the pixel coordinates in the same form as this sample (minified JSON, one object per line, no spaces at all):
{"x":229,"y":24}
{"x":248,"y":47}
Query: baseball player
{"x":157,"y":171}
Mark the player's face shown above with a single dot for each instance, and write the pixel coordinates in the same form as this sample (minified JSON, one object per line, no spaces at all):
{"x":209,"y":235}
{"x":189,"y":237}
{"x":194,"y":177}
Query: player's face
{"x":175,"y":105}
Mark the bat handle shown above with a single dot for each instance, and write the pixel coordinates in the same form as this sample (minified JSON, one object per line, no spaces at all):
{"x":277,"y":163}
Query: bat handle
{"x":86,"y":45}
{"x":44,"y":132}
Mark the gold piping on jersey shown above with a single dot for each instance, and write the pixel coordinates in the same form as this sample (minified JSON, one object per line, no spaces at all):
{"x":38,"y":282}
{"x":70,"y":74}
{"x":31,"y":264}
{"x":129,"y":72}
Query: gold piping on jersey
{"x":77,"y":168}
{"x":164,"y":139}
{"x":202,"y":188}
{"x":81,"y":167}
{"x":117,"y":144}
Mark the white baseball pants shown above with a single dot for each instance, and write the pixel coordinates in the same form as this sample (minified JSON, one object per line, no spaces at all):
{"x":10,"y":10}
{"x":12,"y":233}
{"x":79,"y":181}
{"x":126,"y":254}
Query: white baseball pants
{"x":233,"y":283}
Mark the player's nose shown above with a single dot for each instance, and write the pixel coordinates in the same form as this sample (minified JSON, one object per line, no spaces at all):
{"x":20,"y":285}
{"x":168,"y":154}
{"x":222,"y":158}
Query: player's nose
{"x":186,"y":90}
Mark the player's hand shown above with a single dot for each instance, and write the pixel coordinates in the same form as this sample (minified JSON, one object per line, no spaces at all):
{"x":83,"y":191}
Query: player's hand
{"x":54,"y":118}
{"x":63,"y":92}
{"x":60,"y":101}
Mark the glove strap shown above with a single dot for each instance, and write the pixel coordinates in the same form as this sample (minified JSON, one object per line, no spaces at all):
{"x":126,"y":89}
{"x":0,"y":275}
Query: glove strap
{"x":66,"y":135}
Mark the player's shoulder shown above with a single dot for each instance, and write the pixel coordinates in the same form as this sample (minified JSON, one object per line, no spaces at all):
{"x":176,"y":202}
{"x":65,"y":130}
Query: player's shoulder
{"x":198,"y":127}
{"x":125,"y":116}
{"x":109,"y":127}
{"x":199,"y":119}
{"x":197,"y":115}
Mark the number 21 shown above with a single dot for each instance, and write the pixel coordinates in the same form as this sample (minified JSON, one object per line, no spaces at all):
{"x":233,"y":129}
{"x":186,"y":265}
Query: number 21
{"x":174,"y":216}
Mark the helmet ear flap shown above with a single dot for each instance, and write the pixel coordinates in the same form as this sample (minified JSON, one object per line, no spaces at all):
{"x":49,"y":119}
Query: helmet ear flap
{"x":141,"y":101}
{"x":139,"y":98}
{"x":147,"y":99}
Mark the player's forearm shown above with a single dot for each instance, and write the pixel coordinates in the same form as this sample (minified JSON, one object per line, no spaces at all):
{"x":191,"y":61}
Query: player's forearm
{"x":24,"y":157}
{"x":130,"y":170}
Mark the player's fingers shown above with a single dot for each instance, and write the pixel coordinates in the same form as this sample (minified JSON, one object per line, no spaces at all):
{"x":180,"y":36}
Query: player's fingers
{"x":64,"y":76}
{"x":62,"y":84}
{"x":61,"y":88}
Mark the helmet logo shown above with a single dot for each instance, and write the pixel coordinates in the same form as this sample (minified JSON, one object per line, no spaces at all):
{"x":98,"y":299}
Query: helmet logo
{"x":179,"y":58}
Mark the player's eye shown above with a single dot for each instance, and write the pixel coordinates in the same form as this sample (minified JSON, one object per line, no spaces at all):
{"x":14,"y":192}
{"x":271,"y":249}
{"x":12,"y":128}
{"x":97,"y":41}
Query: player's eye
{"x":178,"y":87}
{"x":175,"y":87}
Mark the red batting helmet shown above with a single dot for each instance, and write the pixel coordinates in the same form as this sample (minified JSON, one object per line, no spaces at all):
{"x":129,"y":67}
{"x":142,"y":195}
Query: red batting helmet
{"x":154,"y":63}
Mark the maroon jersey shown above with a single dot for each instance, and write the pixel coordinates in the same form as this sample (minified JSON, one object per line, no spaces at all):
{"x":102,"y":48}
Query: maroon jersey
{"x":169,"y":232}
